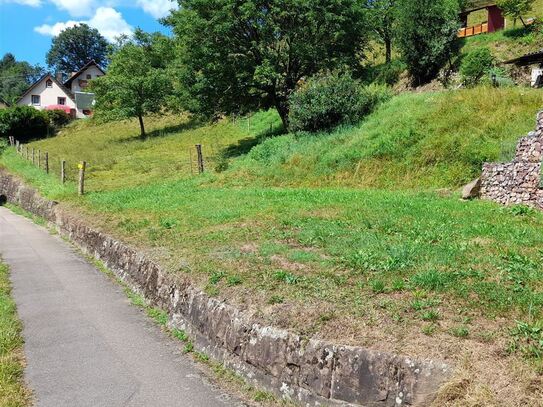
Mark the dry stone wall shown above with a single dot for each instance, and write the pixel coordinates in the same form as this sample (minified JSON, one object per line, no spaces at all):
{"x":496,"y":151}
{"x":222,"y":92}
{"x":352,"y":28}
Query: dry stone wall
{"x":517,"y":182}
{"x":309,"y":372}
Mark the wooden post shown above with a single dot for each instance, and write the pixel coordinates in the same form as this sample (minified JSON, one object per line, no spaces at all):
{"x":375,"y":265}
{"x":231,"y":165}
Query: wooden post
{"x":26,"y":151}
{"x":81,"y":189}
{"x":11,"y":141}
{"x":33,"y":156}
{"x":18,"y":146}
{"x":47,"y":162}
{"x":200,"y":158}
{"x":63,"y":171}
{"x":39,"y":158}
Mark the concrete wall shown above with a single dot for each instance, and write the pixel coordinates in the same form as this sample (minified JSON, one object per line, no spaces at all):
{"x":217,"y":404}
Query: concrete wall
{"x":307,"y":371}
{"x":517,"y":182}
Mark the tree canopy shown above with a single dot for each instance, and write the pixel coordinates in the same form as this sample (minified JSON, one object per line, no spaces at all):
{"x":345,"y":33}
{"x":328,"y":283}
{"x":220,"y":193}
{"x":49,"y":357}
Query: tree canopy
{"x":516,"y":8}
{"x":383,"y":21}
{"x":427,"y":34}
{"x":75,"y":46}
{"x":16,"y":77}
{"x":137,"y":82}
{"x":242,"y":55}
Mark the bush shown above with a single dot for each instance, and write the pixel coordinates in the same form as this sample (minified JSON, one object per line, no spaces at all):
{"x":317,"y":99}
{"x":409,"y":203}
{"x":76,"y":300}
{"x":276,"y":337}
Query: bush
{"x":24,"y":123}
{"x":58,"y":118}
{"x":328,"y":100}
{"x":476,"y":65}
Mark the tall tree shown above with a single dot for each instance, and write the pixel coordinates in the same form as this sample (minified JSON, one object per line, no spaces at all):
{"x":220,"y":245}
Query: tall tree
{"x":16,"y":77}
{"x":241,"y":55}
{"x":75,"y":46}
{"x":137,"y":82}
{"x":516,"y":9}
{"x":383,"y":20}
{"x":427,"y":34}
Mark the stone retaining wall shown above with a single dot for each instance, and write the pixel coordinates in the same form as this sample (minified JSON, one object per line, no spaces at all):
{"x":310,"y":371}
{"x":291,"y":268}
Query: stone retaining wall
{"x":517,"y":182}
{"x":309,"y":372}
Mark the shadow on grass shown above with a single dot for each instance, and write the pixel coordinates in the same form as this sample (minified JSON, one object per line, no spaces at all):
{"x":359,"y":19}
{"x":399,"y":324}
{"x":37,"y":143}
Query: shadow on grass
{"x":245,"y":145}
{"x":518,"y":32}
{"x":165,"y":131}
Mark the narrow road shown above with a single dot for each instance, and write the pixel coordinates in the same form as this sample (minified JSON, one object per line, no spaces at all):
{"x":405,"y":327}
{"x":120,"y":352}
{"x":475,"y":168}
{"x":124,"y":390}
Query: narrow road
{"x":85,"y":344}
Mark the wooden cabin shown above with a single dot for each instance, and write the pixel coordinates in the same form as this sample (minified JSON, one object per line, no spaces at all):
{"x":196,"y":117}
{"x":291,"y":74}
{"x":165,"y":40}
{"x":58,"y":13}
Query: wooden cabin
{"x":495,"y":19}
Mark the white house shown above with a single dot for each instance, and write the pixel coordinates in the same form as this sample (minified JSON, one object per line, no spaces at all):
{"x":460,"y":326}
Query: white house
{"x":50,"y":93}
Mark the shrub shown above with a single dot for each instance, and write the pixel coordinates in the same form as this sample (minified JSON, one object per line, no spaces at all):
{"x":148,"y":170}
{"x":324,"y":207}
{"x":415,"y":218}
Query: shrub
{"x":476,"y":65}
{"x":58,"y":118}
{"x":24,"y":123}
{"x":331,"y":99}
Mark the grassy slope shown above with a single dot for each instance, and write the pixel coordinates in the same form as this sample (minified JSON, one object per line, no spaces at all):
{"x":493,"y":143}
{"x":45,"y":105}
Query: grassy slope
{"x":405,"y":271}
{"x":430,"y":140}
{"x":13,"y":392}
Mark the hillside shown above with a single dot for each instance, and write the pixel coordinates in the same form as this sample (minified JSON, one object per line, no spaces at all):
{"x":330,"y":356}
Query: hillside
{"x":287,"y":233}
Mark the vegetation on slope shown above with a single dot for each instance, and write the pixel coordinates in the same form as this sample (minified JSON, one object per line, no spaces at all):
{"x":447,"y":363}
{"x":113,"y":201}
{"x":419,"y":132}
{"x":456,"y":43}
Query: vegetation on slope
{"x":427,"y":274}
{"x":13,"y":392}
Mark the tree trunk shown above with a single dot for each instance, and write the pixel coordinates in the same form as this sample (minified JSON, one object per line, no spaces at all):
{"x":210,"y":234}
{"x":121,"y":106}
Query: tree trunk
{"x":282,"y":109}
{"x":388,"y":46}
{"x":142,"y":126}
{"x":523,"y":23}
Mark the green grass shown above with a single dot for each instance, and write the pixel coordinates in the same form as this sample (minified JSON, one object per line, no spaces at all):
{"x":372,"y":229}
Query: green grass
{"x":13,"y":392}
{"x":286,"y":231}
{"x":430,"y":140}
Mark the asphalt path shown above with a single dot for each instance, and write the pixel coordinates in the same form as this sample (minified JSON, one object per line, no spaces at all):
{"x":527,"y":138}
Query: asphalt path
{"x":85,"y":344}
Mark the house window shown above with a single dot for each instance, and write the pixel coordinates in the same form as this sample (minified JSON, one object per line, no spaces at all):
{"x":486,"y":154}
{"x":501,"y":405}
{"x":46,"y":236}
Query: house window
{"x":61,"y":101}
{"x":89,"y":76}
{"x":36,"y":100}
{"x":49,"y":83}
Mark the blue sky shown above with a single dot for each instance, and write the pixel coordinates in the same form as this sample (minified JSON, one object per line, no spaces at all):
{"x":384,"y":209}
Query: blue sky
{"x":27,"y":26}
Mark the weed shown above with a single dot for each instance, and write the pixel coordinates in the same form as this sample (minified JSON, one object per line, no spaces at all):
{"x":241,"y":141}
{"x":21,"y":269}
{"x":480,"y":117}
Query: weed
{"x":234,"y":280}
{"x":216,"y":277}
{"x":378,"y":286}
{"x":527,"y":338}
{"x":430,"y":315}
{"x":459,"y":331}
{"x":288,"y":278}
{"x":180,"y":334}
{"x":159,"y":316}
{"x":189,"y":347}
{"x":201,"y":357}
{"x":429,"y":329}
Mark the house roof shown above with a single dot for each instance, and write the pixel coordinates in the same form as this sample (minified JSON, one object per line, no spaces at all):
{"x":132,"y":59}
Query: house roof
{"x":43,"y":78}
{"x":528,"y":59}
{"x":68,"y":83}
{"x":474,"y":5}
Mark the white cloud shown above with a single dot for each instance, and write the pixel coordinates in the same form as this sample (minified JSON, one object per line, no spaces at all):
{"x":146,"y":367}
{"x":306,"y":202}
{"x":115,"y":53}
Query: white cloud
{"x":31,"y":3}
{"x":76,"y":8}
{"x":157,"y":8}
{"x":108,"y":21}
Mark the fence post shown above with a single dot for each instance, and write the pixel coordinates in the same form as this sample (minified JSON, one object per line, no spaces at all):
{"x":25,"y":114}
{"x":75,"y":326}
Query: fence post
{"x":11,"y":143}
{"x":26,"y":151}
{"x":17,"y":146}
{"x":200,"y":158}
{"x":33,"y":156}
{"x":81,"y":189}
{"x":63,"y":171}
{"x":47,"y":162}
{"x":39,"y":158}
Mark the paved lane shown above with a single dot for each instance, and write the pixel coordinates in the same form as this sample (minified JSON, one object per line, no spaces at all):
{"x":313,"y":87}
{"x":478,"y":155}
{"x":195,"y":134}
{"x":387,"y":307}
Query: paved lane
{"x":85,"y":344}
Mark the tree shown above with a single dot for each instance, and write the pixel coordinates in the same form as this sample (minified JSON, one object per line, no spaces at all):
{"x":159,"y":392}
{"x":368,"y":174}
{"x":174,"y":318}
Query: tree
{"x":137,"y":82}
{"x":16,"y":77}
{"x":515,"y":8}
{"x":383,"y":20}
{"x":427,"y":34}
{"x":242,"y":55}
{"x":76,"y":46}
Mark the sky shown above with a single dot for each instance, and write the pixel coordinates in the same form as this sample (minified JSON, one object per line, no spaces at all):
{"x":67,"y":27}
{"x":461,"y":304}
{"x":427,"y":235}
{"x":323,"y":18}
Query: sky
{"x":27,"y":26}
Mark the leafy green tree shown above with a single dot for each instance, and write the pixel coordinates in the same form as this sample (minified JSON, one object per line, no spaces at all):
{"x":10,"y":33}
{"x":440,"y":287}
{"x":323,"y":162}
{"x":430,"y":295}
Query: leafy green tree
{"x":383,"y":21}
{"x":137,"y":82}
{"x":75,"y":46}
{"x":476,"y":65}
{"x":427,"y":34}
{"x":242,"y":55}
{"x":516,"y":8}
{"x":16,"y":77}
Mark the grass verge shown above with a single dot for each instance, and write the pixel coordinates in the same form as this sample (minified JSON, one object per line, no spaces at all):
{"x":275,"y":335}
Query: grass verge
{"x":13,"y":392}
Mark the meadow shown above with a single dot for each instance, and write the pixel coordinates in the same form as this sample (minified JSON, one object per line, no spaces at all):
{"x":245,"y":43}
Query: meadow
{"x":280,"y":226}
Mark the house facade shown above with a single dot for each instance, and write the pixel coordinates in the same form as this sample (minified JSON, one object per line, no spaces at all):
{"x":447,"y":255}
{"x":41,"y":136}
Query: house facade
{"x":50,"y":93}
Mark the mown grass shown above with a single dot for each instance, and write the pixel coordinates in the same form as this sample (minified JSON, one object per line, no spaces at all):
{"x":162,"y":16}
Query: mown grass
{"x":282,"y":231}
{"x":13,"y":392}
